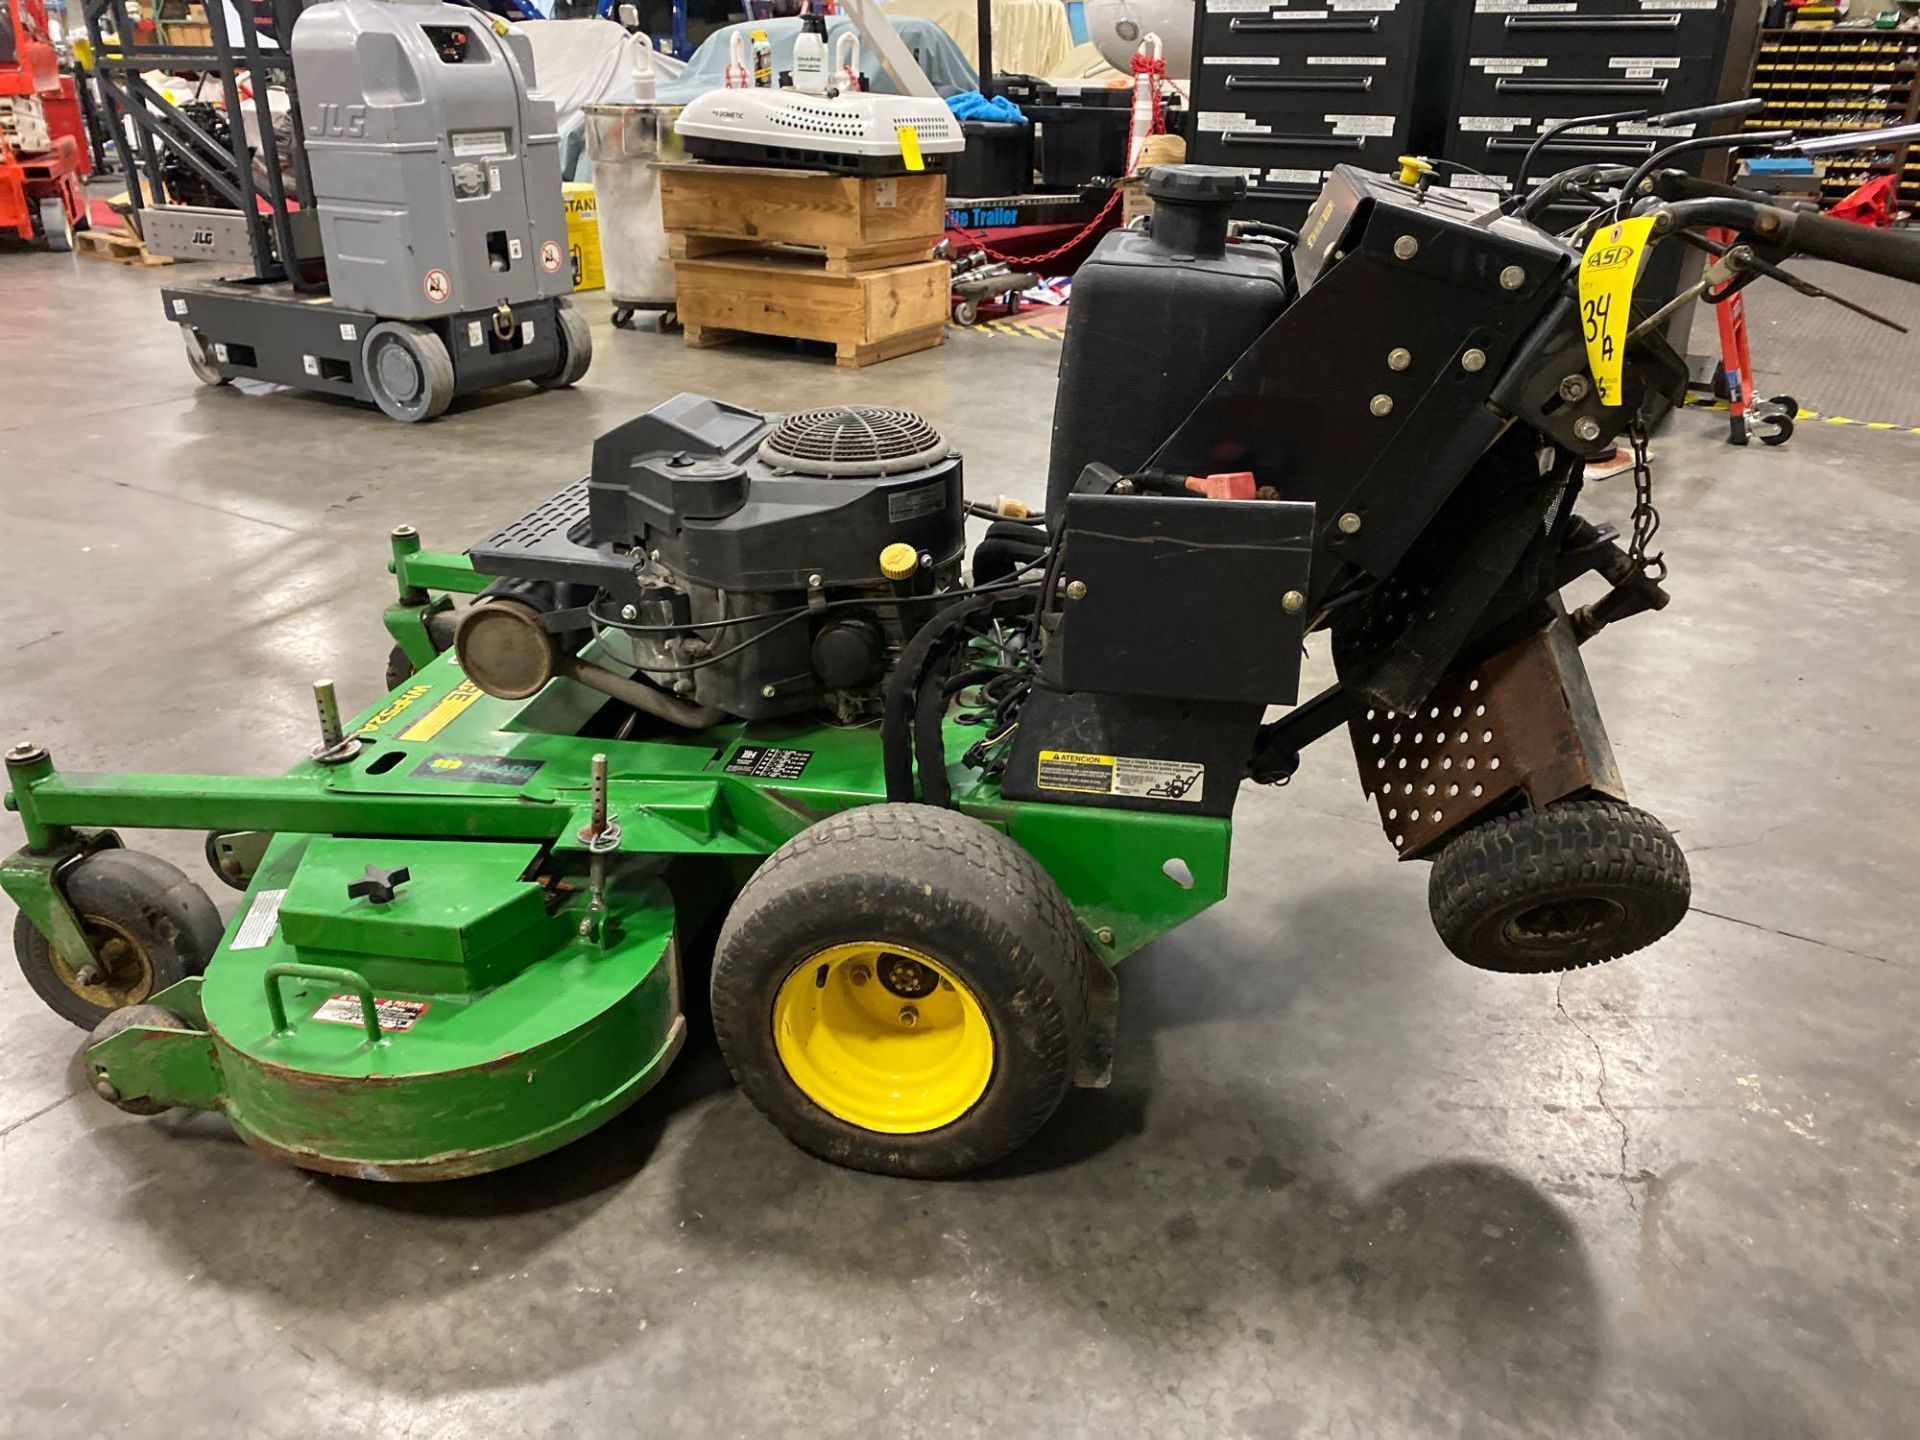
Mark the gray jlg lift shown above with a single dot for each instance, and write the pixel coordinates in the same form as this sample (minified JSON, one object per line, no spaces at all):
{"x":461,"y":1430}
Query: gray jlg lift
{"x":406,"y":234}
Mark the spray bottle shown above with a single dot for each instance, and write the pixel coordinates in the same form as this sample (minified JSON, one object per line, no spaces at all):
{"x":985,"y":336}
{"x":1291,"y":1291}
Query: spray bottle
{"x":762,"y":61}
{"x":737,"y":75}
{"x":810,"y":56}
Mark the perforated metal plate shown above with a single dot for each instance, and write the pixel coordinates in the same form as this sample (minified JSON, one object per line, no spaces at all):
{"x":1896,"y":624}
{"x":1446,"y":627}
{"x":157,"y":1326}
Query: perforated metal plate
{"x":853,"y":440}
{"x":1523,"y":726}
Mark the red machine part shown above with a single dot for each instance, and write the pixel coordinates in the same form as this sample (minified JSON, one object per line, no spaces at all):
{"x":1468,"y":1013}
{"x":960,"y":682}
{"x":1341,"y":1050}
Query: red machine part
{"x":29,"y":67}
{"x":32,"y":68}
{"x":1227,"y":485}
{"x":1871,"y":204}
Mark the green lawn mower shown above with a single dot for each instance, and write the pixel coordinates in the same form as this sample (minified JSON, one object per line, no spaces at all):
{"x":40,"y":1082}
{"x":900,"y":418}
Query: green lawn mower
{"x":743,"y":678}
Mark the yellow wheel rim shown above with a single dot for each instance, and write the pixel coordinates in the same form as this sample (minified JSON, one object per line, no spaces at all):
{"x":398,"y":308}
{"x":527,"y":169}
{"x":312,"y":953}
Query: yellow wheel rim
{"x":883,"y":1037}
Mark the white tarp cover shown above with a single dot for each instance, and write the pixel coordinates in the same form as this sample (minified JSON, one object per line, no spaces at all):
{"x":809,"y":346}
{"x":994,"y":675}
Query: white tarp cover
{"x":582,"y":62}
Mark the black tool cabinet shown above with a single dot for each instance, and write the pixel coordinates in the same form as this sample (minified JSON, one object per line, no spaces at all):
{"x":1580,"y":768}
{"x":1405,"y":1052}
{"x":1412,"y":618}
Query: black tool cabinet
{"x":1287,"y":89}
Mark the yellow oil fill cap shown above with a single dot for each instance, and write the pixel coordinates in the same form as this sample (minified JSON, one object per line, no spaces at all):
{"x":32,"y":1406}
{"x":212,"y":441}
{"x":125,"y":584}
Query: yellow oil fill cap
{"x":899,"y":561}
{"x":1413,"y":169}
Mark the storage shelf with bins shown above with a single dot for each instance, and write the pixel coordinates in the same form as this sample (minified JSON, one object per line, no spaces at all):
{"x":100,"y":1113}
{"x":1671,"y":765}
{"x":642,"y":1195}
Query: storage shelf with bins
{"x":1825,"y":80}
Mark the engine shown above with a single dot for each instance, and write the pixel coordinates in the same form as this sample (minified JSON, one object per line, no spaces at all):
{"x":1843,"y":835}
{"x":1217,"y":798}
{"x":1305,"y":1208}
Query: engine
{"x":745,"y":565}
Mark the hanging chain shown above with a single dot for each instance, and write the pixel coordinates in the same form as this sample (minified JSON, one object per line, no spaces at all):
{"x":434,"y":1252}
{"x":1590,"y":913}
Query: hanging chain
{"x":1646,"y":519}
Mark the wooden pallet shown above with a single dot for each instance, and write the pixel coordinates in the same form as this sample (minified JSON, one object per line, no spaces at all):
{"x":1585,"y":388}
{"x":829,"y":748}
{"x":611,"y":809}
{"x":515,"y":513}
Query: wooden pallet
{"x":867,"y":316}
{"x":123,"y":247}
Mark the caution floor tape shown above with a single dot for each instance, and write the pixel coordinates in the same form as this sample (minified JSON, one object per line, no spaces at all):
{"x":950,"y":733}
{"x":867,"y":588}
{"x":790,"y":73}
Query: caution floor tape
{"x":1701,"y":402}
{"x":1017,"y":327}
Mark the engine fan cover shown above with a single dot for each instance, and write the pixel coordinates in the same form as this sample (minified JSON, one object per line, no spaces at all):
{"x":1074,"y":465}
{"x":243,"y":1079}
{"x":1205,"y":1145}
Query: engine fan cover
{"x":852,"y":441}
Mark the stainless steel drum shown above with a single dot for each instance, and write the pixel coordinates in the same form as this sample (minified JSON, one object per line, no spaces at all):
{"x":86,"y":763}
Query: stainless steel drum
{"x":628,"y":143}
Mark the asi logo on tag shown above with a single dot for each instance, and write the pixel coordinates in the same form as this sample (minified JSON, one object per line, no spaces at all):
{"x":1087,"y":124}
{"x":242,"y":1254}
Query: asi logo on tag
{"x":437,"y":286}
{"x":549,"y":256}
{"x":1607,"y":273}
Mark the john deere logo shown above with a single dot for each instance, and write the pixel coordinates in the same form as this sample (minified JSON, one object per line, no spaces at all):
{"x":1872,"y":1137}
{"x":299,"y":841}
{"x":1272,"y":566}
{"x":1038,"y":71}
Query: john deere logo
{"x":447,"y":762}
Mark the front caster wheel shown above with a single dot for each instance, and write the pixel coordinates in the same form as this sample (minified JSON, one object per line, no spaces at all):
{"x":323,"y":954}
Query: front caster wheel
{"x":149,"y":926}
{"x":400,"y":669}
{"x":201,"y":359}
{"x":150,"y":1017}
{"x":902,"y":989}
{"x":1785,"y":410}
{"x":1567,"y":886}
{"x":622,"y":316}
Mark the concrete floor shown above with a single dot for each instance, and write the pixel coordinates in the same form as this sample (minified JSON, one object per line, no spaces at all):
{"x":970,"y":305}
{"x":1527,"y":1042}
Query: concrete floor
{"x":1342,"y":1185}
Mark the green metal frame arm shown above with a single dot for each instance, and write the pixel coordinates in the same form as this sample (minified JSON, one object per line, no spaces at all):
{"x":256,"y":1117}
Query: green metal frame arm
{"x":436,"y":570}
{"x":292,"y":804}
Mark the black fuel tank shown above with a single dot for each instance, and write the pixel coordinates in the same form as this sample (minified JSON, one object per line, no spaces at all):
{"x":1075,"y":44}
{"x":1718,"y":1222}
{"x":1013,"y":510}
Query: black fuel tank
{"x":1156,"y":319}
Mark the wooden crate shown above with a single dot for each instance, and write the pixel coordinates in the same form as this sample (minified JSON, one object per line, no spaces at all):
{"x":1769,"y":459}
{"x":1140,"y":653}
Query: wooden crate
{"x":866,"y":315}
{"x":841,"y":215}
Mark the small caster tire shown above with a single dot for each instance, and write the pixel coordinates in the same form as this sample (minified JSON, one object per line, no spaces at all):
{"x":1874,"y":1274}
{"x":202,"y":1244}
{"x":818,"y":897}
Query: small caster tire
{"x":904,"y":990}
{"x":409,"y":371}
{"x":669,"y":321}
{"x":1786,"y":409}
{"x":150,"y":1017}
{"x":576,"y":348}
{"x":622,"y":316}
{"x":966,"y":312}
{"x":231,"y":879}
{"x":150,"y":926}
{"x":1571,"y":885}
{"x":56,"y":225}
{"x":200,"y":358}
{"x":400,"y":669}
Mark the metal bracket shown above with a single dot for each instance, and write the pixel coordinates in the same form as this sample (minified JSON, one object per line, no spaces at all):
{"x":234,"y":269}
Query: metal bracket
{"x":36,"y":883}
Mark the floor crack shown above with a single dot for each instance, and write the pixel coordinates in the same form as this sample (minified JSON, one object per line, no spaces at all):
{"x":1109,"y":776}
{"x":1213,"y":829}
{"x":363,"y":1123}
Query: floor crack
{"x":1600,"y":1092}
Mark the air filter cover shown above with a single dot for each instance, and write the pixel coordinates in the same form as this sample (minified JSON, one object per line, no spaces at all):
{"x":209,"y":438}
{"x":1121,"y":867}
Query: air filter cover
{"x":853,"y":440}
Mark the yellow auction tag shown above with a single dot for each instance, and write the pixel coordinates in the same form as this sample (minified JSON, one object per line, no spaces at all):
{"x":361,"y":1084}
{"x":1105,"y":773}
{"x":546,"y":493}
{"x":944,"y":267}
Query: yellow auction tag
{"x":1607,"y":274}
{"x":910,"y":146}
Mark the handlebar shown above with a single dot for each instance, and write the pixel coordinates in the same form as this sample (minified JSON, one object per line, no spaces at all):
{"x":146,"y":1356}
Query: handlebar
{"x":1884,"y":252}
{"x":1726,"y":110}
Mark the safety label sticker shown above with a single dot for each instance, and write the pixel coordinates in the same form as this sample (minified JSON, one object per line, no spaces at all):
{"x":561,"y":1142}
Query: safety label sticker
{"x":477,"y":769}
{"x":263,"y":918}
{"x":768,"y":762}
{"x":1130,"y":775}
{"x":912,"y":504}
{"x":437,"y":286}
{"x":443,"y":714}
{"x":549,"y":256}
{"x":392,"y":1014}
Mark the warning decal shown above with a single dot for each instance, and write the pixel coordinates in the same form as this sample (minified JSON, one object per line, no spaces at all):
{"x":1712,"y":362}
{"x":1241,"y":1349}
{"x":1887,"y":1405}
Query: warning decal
{"x":549,"y":256}
{"x":443,"y":714}
{"x":768,"y":762}
{"x":392,"y":1014}
{"x":263,"y":918}
{"x":437,"y":286}
{"x":1129,"y":775}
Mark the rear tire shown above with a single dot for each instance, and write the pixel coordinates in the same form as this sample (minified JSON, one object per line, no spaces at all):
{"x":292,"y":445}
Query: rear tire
{"x":576,"y":348}
{"x":150,"y":927}
{"x":911,"y":932}
{"x":1571,"y":885}
{"x":408,"y":370}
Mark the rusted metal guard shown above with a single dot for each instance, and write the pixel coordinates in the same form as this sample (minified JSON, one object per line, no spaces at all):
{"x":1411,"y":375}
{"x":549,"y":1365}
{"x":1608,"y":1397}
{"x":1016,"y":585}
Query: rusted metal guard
{"x":1520,"y":727}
